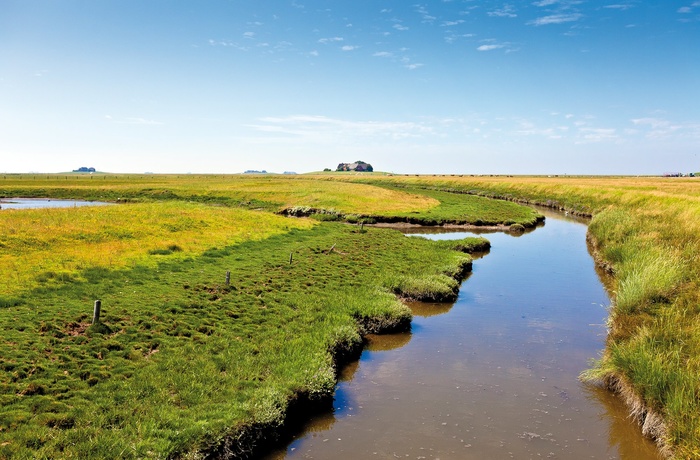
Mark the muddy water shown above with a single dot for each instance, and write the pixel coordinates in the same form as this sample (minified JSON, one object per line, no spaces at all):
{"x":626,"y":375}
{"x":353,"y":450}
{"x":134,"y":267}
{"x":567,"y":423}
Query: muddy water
{"x":494,"y":376}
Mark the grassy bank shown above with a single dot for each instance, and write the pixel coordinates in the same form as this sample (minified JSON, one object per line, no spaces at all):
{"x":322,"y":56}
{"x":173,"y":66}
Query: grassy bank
{"x":182,"y":362}
{"x":271,"y":193}
{"x":645,"y":231}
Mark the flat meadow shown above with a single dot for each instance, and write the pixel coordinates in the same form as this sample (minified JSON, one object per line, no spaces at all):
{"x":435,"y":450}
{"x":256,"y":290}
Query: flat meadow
{"x":218,"y":312}
{"x":184,"y":364}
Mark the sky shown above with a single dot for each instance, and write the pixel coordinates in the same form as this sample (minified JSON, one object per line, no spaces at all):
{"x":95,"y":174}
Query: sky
{"x":435,"y":87}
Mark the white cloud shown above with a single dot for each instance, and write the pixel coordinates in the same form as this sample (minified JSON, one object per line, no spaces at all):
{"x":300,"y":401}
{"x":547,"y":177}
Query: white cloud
{"x":451,"y":38}
{"x":490,"y":47}
{"x":556,"y":19}
{"x":400,"y":27}
{"x":325,"y":41}
{"x":563,"y":3}
{"x":622,"y":7}
{"x":657,"y":127}
{"x":508,"y":11}
{"x":384,"y":54}
{"x":452,"y":23}
{"x":227,"y":43}
{"x":349,"y":48}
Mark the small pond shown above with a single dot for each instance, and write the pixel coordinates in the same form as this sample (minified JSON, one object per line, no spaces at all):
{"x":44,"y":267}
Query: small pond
{"x":493,"y":376}
{"x":33,"y":203}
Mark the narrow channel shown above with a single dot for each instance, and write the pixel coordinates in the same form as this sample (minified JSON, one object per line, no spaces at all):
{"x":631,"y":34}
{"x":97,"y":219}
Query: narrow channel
{"x":494,"y":375}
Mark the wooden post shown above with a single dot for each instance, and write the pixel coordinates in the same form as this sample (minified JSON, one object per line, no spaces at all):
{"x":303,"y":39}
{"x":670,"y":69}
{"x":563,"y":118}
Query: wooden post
{"x":96,"y":312}
{"x":290,"y":257}
{"x":362,"y":226}
{"x":228,"y":278}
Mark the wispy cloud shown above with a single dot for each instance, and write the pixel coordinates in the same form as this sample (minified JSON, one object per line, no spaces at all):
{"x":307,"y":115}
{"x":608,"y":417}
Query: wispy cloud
{"x":657,"y":127}
{"x":507,"y":11}
{"x":492,"y":44}
{"x":490,"y":47}
{"x":325,"y":41}
{"x":562,"y":4}
{"x":425,"y":16}
{"x":227,"y":43}
{"x":556,"y":19}
{"x":349,"y":48}
{"x":688,"y":9}
{"x":622,"y":7}
{"x":400,"y":27}
{"x":451,"y":38}
{"x":322,"y":129}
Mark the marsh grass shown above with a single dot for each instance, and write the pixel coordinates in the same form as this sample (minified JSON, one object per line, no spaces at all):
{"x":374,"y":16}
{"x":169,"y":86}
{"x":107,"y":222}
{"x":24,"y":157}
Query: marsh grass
{"x":51,"y":247}
{"x":273,"y":193}
{"x":457,"y":207}
{"x":182,"y":361}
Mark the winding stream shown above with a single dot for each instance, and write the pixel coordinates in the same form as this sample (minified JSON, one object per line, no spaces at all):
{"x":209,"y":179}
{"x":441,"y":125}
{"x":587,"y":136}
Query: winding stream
{"x":493,"y":376}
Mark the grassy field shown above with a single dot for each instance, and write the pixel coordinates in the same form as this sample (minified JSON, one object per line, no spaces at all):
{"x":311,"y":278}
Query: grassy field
{"x":272,"y":193}
{"x":183,"y":363}
{"x":645,"y":231}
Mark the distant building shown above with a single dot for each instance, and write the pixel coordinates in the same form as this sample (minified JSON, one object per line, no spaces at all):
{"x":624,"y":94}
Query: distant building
{"x":84,"y":170}
{"x":253,"y":171}
{"x":359,"y":166}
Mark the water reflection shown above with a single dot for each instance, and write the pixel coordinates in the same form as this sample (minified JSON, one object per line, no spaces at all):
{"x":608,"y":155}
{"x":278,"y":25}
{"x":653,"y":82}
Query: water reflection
{"x":493,"y":376}
{"x":35,"y":203}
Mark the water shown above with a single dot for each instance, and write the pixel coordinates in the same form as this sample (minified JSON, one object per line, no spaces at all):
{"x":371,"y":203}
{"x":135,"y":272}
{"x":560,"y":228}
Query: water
{"x":493,"y":376}
{"x":33,"y":203}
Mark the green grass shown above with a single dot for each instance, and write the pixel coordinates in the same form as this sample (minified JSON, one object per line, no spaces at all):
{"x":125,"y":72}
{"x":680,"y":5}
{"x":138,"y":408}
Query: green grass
{"x":456,"y":207}
{"x":181,"y":361}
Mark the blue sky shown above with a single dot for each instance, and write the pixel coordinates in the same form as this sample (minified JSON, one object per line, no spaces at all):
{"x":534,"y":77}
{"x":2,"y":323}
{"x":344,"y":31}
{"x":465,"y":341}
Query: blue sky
{"x":447,"y":86}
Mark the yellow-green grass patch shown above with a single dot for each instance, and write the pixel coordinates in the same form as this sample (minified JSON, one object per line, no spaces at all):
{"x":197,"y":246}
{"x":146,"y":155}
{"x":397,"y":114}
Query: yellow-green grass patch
{"x":40,"y":247}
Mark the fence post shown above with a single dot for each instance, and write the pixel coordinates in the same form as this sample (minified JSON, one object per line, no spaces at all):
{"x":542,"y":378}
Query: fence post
{"x":96,"y":312}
